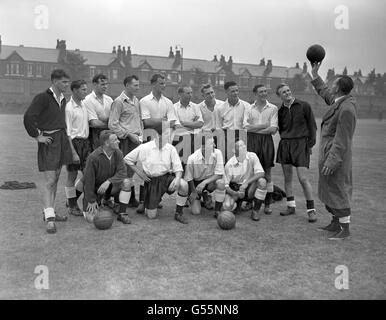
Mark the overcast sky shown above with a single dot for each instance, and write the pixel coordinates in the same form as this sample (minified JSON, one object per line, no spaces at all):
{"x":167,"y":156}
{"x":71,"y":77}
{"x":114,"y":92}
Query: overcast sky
{"x":247,"y":30}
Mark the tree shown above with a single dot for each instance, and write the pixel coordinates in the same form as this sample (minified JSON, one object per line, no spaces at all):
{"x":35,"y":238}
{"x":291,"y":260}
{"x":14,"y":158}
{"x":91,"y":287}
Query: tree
{"x":199,"y":77}
{"x":345,"y":71}
{"x":298,"y":83}
{"x":73,"y":64}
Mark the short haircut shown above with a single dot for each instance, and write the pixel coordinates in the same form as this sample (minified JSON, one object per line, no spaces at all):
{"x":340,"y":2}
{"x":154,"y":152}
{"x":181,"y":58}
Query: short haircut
{"x":76,"y":84}
{"x":58,"y":74}
{"x":256,"y":87}
{"x":229,"y":84}
{"x":128,"y":79}
{"x":345,"y":84}
{"x":281,"y":85}
{"x":205,"y":86}
{"x":155,"y":78}
{"x":104,"y":136}
{"x":182,"y":87}
{"x":99,"y":76}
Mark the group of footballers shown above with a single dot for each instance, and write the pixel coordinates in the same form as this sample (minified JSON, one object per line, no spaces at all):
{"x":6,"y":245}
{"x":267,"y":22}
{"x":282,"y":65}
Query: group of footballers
{"x":216,"y":154}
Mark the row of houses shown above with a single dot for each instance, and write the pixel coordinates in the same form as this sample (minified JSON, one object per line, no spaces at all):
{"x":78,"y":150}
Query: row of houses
{"x":26,"y":70}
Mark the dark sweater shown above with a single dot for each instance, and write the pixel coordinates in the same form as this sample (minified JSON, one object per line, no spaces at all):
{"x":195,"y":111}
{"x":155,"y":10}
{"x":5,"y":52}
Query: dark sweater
{"x":44,"y":113}
{"x":297,"y":122}
{"x":99,"y":169}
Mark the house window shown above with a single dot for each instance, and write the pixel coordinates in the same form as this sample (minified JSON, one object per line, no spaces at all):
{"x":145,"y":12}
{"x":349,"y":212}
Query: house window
{"x":144,"y":75}
{"x":30,"y":69}
{"x":221,"y":79}
{"x":39,"y":69}
{"x":244,"y":81}
{"x":259,"y":81}
{"x":268,"y":84}
{"x":7,"y":71}
{"x":13,"y":68}
{"x":114,"y":74}
{"x":92,"y":72}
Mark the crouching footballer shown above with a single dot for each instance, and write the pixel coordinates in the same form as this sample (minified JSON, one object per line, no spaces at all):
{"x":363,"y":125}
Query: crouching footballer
{"x":104,"y":177}
{"x":204,"y":174}
{"x":244,"y":181}
{"x":162,"y":173}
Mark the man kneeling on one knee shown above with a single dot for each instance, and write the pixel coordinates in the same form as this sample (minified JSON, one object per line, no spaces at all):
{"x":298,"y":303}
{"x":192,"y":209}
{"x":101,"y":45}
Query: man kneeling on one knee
{"x":162,"y":173}
{"x":105,"y":176}
{"x":204,"y":173}
{"x":244,"y":181}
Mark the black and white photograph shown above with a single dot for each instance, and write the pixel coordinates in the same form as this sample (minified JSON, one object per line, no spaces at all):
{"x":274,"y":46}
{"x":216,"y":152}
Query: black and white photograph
{"x":205,"y":151}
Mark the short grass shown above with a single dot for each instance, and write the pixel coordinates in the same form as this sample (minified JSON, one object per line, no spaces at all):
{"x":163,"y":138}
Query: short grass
{"x":275,"y":258}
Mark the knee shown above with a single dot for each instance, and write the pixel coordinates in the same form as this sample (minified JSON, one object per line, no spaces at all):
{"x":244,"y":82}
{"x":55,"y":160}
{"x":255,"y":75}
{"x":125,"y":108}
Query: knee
{"x":228,"y":203}
{"x":127,"y":184}
{"x":303,"y":180}
{"x":184,"y":187}
{"x":196,"y":207}
{"x":262,"y":183}
{"x":220,"y":184}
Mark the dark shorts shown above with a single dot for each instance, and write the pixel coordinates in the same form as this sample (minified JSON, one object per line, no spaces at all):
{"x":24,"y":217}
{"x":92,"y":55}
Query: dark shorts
{"x":94,"y":137}
{"x":58,"y":153}
{"x":262,"y":145}
{"x":83,"y":149}
{"x":112,"y":191}
{"x":250,"y":192}
{"x":126,"y":145}
{"x":156,"y":188}
{"x":209,"y":187}
{"x":294,"y":151}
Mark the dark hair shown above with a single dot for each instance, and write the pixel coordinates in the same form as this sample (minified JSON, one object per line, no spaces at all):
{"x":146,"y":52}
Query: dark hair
{"x":58,"y":74}
{"x":104,"y":136}
{"x":155,"y":78}
{"x":99,"y":76}
{"x":229,"y":84}
{"x":205,"y":86}
{"x":182,"y":87}
{"x":345,"y":84}
{"x":281,"y":85}
{"x":128,"y":79}
{"x":256,"y":87}
{"x":76,"y":84}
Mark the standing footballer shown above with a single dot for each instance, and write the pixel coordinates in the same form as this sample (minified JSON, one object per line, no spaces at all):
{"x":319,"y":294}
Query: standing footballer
{"x":78,"y":131}
{"x":45,"y":121}
{"x":297,"y":128}
{"x":261,"y":122}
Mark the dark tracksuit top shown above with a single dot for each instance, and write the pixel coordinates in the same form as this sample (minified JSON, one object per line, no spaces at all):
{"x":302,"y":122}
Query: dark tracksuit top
{"x":44,"y":114}
{"x":298,"y":121}
{"x":99,"y":169}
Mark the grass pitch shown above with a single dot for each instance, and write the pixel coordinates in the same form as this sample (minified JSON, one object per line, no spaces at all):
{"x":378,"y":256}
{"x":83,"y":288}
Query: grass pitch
{"x":275,"y":258}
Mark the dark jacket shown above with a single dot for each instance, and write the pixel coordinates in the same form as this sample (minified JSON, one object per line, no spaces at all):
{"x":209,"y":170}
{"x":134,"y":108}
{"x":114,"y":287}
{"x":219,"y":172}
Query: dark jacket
{"x":44,"y":113}
{"x":298,"y":121}
{"x":338,"y":126}
{"x":99,"y":169}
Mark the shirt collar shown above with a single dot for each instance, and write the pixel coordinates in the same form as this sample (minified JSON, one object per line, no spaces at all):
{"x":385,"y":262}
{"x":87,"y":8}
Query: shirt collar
{"x":61,"y":96}
{"x":290,"y":105}
{"x":154,"y":145}
{"x":201,"y":156}
{"x":265,"y":106}
{"x":338,"y":99}
{"x":74,"y":104}
{"x":151,"y":95}
{"x":181,"y":106}
{"x":125,"y":97}
{"x":238,"y":103}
